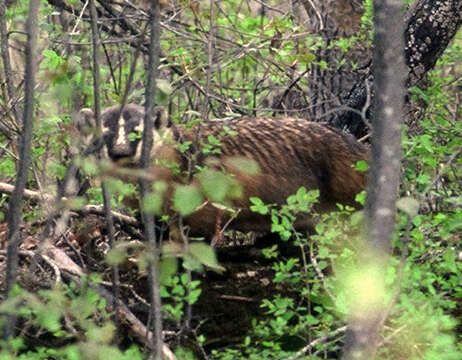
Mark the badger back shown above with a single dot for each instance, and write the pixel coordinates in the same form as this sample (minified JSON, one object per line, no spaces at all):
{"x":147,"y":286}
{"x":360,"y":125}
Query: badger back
{"x":292,"y":153}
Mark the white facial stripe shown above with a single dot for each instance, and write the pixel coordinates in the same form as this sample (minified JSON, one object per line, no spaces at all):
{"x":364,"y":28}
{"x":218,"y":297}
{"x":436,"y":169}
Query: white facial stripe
{"x":140,"y":127}
{"x":105,"y":153}
{"x":139,"y":147}
{"x":105,"y":129}
{"x":121,"y":136}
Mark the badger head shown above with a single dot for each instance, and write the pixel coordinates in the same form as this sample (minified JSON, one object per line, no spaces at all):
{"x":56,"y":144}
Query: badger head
{"x":122,"y":132}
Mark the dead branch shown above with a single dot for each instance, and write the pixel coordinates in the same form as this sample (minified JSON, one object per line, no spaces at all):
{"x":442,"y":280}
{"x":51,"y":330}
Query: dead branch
{"x":86,"y":209}
{"x":73,"y":272}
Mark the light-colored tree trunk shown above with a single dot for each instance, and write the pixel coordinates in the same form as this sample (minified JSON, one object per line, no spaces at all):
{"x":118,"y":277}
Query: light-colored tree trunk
{"x":388,"y":112}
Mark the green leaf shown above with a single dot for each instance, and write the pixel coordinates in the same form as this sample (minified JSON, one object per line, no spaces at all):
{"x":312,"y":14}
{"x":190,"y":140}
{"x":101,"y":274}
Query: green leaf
{"x":409,"y":205}
{"x":212,"y":140}
{"x":450,"y":260}
{"x":49,"y":319}
{"x":244,"y":165}
{"x":219,"y":186}
{"x":116,"y":255}
{"x":7,"y":167}
{"x":164,"y":86}
{"x":306,"y":57}
{"x":152,"y":203}
{"x":361,"y":197}
{"x":51,"y":60}
{"x":193,"y":296}
{"x":427,"y":142}
{"x":361,"y":166}
{"x":134,"y":135}
{"x":205,"y":254}
{"x":258,"y":206}
{"x":191,"y":263}
{"x":102,"y":334}
{"x":186,"y":199}
{"x":357,"y":218}
{"x":423,"y":179}
{"x":311,"y":320}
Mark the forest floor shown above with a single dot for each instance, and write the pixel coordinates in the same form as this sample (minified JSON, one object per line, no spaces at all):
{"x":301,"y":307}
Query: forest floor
{"x":223,"y":313}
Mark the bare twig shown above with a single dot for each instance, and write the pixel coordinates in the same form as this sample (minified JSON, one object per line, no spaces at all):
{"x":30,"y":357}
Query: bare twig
{"x":210,"y":55}
{"x":106,"y":194}
{"x":239,"y":298}
{"x":320,"y":275}
{"x":34,"y":254}
{"x":317,"y":341}
{"x":309,"y":3}
{"x":145,"y":186}
{"x":73,"y":31}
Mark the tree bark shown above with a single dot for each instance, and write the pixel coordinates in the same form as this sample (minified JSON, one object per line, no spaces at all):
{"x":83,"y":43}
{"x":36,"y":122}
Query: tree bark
{"x":7,"y":72}
{"x":15,"y":203}
{"x":430,"y":27}
{"x":145,"y":185}
{"x":389,"y":71}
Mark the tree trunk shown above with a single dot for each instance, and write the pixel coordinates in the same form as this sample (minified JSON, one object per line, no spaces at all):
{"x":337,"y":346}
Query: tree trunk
{"x":388,"y":112}
{"x":15,"y":203}
{"x":431,"y":25}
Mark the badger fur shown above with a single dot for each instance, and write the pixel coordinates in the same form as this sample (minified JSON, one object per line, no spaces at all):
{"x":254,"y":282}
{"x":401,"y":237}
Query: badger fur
{"x":289,"y":153}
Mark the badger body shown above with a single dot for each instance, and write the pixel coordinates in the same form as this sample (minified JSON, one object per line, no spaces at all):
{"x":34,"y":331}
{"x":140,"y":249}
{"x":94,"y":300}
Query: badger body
{"x":289,"y":153}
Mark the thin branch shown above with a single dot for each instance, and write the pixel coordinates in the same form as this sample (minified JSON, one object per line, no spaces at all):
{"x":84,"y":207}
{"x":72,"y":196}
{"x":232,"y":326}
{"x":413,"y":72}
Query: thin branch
{"x":87,"y":209}
{"x":145,"y":186}
{"x":8,"y":73}
{"x":73,"y":272}
{"x":317,"y":341}
{"x":15,"y":203}
{"x":106,"y":194}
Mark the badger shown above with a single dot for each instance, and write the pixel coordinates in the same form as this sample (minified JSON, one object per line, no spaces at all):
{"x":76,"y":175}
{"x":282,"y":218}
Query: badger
{"x":284,"y":153}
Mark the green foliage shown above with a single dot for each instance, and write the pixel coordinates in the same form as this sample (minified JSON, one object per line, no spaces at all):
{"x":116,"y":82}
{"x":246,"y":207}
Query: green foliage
{"x":283,"y":218}
{"x":153,"y":202}
{"x":203,"y":254}
{"x":367,"y":17}
{"x":7,"y":167}
{"x":244,"y":165}
{"x":186,"y":199}
{"x":179,"y":291}
{"x":424,"y":318}
{"x":362,"y":166}
{"x":253,"y":56}
{"x":218,"y":186}
{"x":212,"y":146}
{"x":56,"y":311}
{"x":258,"y":206}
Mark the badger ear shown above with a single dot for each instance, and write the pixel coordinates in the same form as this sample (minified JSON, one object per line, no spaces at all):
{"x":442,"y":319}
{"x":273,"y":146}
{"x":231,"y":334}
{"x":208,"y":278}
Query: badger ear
{"x":85,"y":121}
{"x":160,"y":118}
